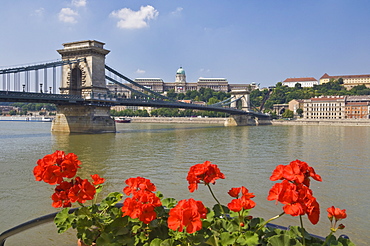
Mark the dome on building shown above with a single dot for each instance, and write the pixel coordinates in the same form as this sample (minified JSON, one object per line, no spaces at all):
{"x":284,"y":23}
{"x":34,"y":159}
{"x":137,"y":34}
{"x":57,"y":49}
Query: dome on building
{"x":180,"y":71}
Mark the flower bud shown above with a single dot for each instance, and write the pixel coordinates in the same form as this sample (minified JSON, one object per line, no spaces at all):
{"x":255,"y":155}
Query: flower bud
{"x":341,"y":227}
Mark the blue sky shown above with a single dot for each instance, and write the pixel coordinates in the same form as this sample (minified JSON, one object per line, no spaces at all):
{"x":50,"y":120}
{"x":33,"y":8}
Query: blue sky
{"x":244,"y":41}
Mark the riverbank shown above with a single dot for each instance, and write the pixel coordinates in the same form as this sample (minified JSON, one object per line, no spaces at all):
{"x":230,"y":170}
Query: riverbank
{"x":26,"y":118}
{"x":323,"y":122}
{"x":221,"y":121}
{"x":180,"y":120}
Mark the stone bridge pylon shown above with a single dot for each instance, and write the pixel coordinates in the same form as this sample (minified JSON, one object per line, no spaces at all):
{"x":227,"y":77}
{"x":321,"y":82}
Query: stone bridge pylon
{"x":85,"y":79}
{"x":244,"y":104}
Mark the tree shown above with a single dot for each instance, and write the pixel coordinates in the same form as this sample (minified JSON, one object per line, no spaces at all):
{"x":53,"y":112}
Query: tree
{"x":288,"y":114}
{"x":299,"y":112}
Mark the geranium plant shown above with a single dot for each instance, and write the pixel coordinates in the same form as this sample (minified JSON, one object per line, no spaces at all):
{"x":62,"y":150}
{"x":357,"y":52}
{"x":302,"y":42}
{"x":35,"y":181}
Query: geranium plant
{"x":145,"y":217}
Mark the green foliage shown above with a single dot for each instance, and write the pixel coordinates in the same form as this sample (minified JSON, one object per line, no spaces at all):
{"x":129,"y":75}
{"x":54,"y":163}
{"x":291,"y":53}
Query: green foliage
{"x":288,"y":114}
{"x":284,"y":94}
{"x":299,"y":111}
{"x":34,"y":106}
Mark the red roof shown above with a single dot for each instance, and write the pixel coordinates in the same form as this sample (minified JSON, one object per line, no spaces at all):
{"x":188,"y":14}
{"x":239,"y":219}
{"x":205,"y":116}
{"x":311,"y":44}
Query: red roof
{"x":326,"y":76}
{"x":334,"y":98}
{"x":300,"y":79}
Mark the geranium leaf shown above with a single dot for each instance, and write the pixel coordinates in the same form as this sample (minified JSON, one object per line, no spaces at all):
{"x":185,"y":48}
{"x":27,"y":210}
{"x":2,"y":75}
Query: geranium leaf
{"x":110,"y":200}
{"x":345,"y":241}
{"x":282,"y":240}
{"x":63,"y":220}
{"x":155,"y":242}
{"x":248,"y":238}
{"x":227,"y":238}
{"x":168,"y":242}
{"x":213,"y":240}
{"x":169,"y":202}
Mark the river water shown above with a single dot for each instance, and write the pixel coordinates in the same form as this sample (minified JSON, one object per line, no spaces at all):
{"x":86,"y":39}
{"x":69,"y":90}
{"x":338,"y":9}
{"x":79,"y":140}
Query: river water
{"x":164,"y":153}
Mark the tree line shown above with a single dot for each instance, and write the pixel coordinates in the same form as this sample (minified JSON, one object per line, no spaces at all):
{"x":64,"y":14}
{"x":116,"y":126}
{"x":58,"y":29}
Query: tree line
{"x":284,"y":94}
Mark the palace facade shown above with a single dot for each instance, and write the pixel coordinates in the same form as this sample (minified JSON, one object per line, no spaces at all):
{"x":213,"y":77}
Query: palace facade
{"x":181,"y":85}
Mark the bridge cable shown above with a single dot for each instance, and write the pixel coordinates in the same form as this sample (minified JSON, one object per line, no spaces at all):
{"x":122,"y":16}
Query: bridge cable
{"x":128,"y":87}
{"x":137,"y":84}
{"x":41,"y":66}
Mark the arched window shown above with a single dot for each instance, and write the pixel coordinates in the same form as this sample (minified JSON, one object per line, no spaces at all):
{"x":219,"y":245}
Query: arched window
{"x":76,"y":81}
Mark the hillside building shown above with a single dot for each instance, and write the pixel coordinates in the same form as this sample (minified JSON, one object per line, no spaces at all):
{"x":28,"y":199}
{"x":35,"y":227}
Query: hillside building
{"x":349,"y":81}
{"x":337,"y":107}
{"x":304,"y":82}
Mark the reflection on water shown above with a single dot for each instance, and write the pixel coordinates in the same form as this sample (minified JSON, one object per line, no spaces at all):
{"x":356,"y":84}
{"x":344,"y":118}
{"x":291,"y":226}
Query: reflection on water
{"x":164,"y":153}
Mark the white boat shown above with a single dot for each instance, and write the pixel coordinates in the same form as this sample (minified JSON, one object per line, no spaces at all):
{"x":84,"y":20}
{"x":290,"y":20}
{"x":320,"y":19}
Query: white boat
{"x":46,"y":119}
{"x":122,"y":120}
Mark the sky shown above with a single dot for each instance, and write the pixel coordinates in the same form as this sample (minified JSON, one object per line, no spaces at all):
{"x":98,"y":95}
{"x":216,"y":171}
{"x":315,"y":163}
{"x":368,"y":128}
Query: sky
{"x":244,"y":41}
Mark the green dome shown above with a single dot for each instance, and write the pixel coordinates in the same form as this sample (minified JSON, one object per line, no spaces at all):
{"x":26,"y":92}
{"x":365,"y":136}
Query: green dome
{"x":180,"y":71}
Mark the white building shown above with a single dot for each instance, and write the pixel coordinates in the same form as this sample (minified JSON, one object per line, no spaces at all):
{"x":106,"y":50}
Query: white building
{"x":305,"y":82}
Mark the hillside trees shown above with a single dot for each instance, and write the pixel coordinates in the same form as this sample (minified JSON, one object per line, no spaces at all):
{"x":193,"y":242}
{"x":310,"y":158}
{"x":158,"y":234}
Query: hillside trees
{"x":283,"y":94}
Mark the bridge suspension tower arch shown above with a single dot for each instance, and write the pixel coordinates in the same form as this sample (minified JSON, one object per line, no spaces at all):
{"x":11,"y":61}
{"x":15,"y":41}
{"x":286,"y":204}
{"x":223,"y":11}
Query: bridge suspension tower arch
{"x":84,"y":78}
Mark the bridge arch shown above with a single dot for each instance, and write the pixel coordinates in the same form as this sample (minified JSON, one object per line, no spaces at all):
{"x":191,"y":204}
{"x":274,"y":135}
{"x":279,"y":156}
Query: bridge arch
{"x":85,"y":78}
{"x":75,"y":81}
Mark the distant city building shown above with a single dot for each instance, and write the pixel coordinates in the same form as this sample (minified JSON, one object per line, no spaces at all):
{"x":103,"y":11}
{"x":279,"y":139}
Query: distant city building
{"x":332,"y":107}
{"x":358,"y":107}
{"x":295,"y":104}
{"x":181,"y":85}
{"x":279,"y":109}
{"x":304,"y":82}
{"x":337,"y":107}
{"x":349,"y":81}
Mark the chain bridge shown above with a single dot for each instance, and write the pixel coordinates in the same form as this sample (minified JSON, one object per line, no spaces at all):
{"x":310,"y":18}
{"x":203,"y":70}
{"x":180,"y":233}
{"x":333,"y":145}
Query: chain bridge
{"x":77,"y":85}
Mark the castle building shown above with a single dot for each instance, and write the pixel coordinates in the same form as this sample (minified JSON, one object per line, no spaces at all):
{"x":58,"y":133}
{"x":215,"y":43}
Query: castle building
{"x":181,"y":85}
{"x":349,"y":81}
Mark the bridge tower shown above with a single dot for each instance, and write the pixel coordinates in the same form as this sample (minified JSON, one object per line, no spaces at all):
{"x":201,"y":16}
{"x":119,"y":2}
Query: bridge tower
{"x":84,"y":79}
{"x":244,"y":104}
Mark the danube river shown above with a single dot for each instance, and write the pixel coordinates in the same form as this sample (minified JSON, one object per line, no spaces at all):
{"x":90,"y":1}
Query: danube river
{"x":164,"y":153}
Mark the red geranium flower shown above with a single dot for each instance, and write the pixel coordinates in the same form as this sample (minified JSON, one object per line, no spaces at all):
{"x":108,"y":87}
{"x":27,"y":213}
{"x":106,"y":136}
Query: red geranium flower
{"x":234,"y":192}
{"x":139,"y":183}
{"x":60,"y":197}
{"x":187,"y":214}
{"x":296,"y":171}
{"x":54,"y":167}
{"x":206,"y":173}
{"x":81,"y":191}
{"x":143,"y":201}
{"x":244,"y":202}
{"x":97,"y":179}
{"x":337,"y":213}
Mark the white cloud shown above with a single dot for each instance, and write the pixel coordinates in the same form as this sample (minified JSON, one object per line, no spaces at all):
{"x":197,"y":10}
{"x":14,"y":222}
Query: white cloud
{"x":39,"y":12}
{"x":140,"y":71}
{"x":177,"y":11}
{"x":68,"y":15}
{"x":79,"y":3}
{"x":129,"y":19}
{"x":203,"y":70}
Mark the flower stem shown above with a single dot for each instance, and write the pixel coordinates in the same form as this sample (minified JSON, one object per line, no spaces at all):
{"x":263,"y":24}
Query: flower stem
{"x":327,"y":238}
{"x":302,"y":228}
{"x":273,"y":218}
{"x":214,"y":197}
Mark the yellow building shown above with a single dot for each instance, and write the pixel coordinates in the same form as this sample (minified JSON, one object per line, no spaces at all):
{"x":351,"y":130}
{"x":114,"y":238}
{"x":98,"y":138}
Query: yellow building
{"x":349,"y":81}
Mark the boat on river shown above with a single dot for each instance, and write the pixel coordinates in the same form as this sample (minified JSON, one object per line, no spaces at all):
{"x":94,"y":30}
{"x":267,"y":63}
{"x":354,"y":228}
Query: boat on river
{"x":46,"y":119}
{"x":122,"y":120}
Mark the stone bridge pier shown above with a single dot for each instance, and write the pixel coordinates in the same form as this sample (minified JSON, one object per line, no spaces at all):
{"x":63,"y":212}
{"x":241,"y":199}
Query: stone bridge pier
{"x":244,"y":104}
{"x":83,"y":79}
